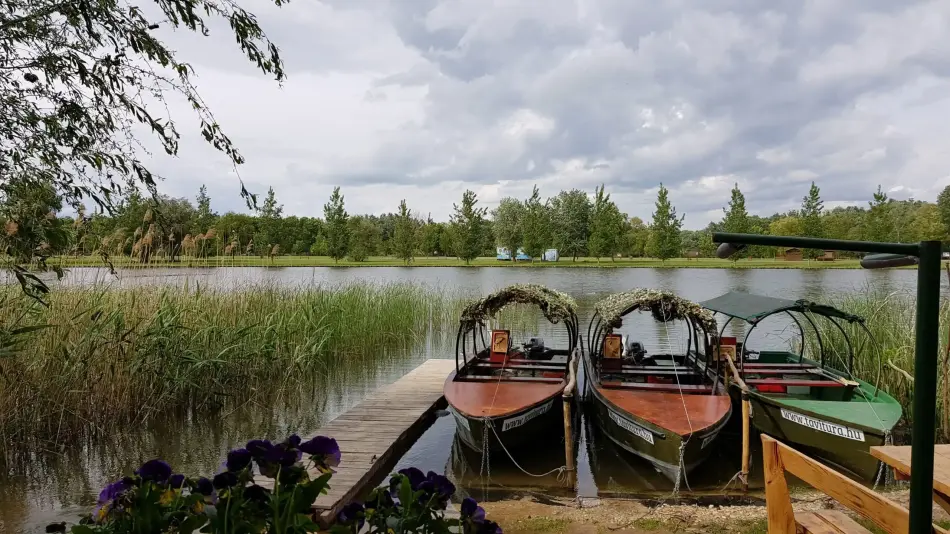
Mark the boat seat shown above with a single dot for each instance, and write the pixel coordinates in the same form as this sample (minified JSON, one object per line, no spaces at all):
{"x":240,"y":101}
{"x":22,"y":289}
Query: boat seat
{"x":537,"y":363}
{"x":481,"y":378}
{"x":757,"y":365}
{"x":783,"y":371}
{"x":828,"y":522}
{"x":489,"y":365}
{"x":668,"y":372}
{"x":656,"y":367}
{"x":795,"y":382}
{"x":691,"y":388}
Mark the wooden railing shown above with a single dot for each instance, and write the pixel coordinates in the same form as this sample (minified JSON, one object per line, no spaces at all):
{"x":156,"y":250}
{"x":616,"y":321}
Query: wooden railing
{"x":779,"y":458}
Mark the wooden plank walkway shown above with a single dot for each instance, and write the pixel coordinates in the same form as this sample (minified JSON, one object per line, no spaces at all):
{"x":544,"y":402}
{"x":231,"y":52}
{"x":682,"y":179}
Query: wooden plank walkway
{"x":375,"y":433}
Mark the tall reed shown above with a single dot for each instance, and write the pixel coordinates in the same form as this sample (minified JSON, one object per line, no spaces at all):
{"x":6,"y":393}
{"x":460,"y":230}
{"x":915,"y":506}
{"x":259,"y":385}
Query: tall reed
{"x":886,"y":357}
{"x":99,"y":357}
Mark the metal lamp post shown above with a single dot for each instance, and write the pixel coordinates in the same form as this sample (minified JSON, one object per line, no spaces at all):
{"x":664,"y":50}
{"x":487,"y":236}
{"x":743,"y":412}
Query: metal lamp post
{"x":927,"y":255}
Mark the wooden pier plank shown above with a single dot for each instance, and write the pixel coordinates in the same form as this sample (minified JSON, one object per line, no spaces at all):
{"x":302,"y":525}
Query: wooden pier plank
{"x":375,"y":433}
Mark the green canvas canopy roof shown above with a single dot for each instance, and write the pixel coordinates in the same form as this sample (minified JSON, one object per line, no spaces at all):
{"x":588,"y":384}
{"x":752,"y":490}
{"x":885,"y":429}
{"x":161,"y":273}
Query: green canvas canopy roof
{"x":754,"y":308}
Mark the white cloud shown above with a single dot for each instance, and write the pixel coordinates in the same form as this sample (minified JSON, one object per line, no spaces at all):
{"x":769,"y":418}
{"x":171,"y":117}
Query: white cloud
{"x":421,"y":100}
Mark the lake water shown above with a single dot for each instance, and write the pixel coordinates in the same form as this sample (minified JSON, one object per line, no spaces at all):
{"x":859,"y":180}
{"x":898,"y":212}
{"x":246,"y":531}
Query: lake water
{"x":61,"y":481}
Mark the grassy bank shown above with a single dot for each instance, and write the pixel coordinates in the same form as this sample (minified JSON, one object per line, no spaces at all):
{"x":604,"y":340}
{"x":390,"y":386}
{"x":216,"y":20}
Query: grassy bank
{"x":886,"y":357}
{"x":387,"y":261}
{"x":98,"y":358}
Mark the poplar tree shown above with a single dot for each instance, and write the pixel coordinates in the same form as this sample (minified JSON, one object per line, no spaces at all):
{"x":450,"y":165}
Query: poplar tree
{"x":537,"y":225}
{"x":468,"y":227}
{"x":812,"y":207}
{"x":404,"y":236}
{"x":336,"y":228}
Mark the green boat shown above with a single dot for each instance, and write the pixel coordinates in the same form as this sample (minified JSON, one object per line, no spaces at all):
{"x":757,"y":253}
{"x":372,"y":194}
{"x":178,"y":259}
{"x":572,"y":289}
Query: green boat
{"x":813,"y":403}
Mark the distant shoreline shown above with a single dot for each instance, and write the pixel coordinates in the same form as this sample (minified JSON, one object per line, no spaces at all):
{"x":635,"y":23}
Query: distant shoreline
{"x":386,"y":261}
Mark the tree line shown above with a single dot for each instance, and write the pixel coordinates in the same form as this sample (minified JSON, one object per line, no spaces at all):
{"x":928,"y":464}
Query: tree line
{"x":573,"y":222}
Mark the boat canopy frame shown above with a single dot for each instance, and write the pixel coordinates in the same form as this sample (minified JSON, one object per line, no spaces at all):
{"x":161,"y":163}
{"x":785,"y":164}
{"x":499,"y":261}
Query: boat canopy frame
{"x":753,"y":309}
{"x":665,"y":306}
{"x":557,"y":307}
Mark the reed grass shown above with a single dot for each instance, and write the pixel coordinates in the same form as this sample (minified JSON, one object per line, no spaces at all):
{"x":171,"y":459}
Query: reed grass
{"x":97,"y":358}
{"x":886,"y":357}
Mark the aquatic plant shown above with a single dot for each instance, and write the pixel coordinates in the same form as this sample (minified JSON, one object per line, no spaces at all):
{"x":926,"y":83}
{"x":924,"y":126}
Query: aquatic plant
{"x":98,"y":358}
{"x":268,"y":487}
{"x":886,"y":357}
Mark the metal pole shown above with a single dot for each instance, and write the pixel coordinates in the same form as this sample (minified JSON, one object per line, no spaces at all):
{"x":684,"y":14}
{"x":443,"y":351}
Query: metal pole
{"x":925,"y":388}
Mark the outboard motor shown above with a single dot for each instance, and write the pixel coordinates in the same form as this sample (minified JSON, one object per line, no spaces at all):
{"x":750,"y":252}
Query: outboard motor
{"x":635,"y":351}
{"x":534,"y":348}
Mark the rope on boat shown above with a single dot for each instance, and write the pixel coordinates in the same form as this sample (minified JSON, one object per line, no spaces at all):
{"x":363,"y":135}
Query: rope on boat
{"x":486,"y":464}
{"x":681,"y":467}
{"x":883,"y":473}
{"x":486,"y":421}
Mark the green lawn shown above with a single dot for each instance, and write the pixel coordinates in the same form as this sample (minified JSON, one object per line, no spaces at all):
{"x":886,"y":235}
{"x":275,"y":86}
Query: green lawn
{"x":386,"y":261}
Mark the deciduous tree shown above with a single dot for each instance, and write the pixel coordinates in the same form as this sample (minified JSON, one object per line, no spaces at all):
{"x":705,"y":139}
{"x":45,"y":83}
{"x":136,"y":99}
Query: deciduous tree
{"x":508,"y":224}
{"x":91,"y":76}
{"x":571,"y":222}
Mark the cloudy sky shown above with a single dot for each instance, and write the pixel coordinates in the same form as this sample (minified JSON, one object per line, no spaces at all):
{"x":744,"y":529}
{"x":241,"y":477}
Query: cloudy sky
{"x":422,"y":99}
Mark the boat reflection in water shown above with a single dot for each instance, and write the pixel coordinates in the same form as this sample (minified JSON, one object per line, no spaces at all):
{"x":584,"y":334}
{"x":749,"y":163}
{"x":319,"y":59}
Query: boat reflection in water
{"x":500,"y":474}
{"x":603,"y":469}
{"x":617,"y":473}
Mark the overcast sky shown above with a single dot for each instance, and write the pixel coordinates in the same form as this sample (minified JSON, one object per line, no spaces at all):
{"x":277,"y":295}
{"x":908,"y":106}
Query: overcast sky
{"x":422,"y":99}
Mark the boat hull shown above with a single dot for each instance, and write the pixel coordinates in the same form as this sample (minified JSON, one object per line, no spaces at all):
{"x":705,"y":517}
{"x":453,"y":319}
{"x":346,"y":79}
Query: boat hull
{"x":659,"y":446}
{"x":844,"y":444}
{"x":533,"y":425}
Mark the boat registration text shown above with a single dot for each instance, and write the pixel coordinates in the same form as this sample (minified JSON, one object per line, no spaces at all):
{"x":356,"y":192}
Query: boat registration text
{"x":823,"y":426}
{"x":636,"y":430}
{"x":515,"y":422}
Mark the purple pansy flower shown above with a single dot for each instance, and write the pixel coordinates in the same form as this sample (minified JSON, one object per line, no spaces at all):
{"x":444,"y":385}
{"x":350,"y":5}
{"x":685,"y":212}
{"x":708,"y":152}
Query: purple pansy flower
{"x":441,"y":485}
{"x":204,"y":486}
{"x":415,"y":476}
{"x":238,"y":459}
{"x":258,"y":447}
{"x":325,"y":447}
{"x":281,"y":456}
{"x":176,"y":481}
{"x":350,"y":513}
{"x":155,"y":470}
{"x":225,"y":480}
{"x":293,"y":440}
{"x":471,"y":510}
{"x":113,"y":491}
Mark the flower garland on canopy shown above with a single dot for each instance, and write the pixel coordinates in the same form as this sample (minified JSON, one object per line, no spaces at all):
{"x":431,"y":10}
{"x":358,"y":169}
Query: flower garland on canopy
{"x":555,"y":305}
{"x":664,"y":305}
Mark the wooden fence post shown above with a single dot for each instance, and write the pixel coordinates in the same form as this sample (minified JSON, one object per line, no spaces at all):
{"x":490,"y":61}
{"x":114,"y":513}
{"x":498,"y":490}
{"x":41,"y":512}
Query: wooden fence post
{"x":778,"y":503}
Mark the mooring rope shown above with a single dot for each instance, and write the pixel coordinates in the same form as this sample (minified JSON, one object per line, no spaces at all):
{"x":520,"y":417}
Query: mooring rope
{"x":681,"y":467}
{"x":559,"y":470}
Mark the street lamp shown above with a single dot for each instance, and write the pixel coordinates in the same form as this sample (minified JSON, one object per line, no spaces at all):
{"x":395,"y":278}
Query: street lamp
{"x":926,"y":255}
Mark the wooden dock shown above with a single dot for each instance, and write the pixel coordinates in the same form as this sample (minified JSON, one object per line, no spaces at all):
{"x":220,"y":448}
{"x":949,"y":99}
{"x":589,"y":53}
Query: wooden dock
{"x":375,"y":433}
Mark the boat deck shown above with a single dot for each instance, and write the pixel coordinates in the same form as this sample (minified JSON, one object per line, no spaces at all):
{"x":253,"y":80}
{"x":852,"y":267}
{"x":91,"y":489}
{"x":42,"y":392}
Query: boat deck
{"x":375,"y":433}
